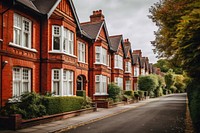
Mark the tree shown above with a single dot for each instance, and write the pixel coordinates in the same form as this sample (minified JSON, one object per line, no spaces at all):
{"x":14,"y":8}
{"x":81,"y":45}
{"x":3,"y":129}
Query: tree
{"x":178,"y":39}
{"x":169,"y":79}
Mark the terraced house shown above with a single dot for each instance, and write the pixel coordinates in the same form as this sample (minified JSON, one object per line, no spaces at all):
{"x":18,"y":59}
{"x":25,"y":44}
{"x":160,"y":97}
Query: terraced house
{"x":44,"y":48}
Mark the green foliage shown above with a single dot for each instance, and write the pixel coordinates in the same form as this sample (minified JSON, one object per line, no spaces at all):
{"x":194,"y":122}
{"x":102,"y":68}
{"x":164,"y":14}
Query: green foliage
{"x":56,"y":105}
{"x":194,"y":102}
{"x":81,"y":93}
{"x":141,"y":94}
{"x":163,"y":64}
{"x":129,"y":93}
{"x":87,"y":103}
{"x":158,"y":92}
{"x":173,"y":89}
{"x":147,"y":83}
{"x":30,"y":106}
{"x":114,"y":92}
{"x":180,"y":83}
{"x":169,"y":79}
{"x":136,"y":95}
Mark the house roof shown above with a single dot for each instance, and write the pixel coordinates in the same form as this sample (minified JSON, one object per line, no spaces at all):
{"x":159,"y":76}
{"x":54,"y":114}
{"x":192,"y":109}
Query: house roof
{"x":46,"y":7}
{"x":115,"y":41}
{"x":92,"y":29}
{"x":136,"y":59}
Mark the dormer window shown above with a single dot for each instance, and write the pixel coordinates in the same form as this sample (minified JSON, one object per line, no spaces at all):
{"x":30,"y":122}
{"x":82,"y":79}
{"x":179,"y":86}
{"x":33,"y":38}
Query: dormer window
{"x":101,"y":55}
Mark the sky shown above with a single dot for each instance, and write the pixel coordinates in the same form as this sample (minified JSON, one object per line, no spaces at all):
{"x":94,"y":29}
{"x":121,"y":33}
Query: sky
{"x":126,"y":17}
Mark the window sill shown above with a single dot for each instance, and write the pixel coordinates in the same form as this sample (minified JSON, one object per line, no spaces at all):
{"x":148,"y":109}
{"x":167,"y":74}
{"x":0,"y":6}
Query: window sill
{"x":58,"y":52}
{"x":127,"y":72}
{"x":100,"y":94}
{"x":25,"y":48}
{"x":83,"y":62}
{"x":119,"y":68}
{"x":96,"y":63}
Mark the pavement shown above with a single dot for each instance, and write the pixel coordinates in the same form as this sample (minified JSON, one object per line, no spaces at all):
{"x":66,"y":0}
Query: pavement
{"x":62,"y":125}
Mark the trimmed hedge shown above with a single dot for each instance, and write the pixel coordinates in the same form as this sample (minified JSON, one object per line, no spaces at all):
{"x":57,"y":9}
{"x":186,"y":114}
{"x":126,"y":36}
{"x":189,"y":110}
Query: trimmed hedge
{"x":129,"y":93}
{"x":141,"y":94}
{"x":81,"y":93}
{"x":56,"y":105}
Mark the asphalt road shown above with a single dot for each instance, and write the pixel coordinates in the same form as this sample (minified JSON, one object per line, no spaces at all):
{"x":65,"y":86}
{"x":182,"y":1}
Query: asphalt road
{"x":166,"y":115}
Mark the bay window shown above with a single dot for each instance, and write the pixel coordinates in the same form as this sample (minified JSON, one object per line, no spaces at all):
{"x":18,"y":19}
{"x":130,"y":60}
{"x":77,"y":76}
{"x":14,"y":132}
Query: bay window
{"x":101,"y":55}
{"x":21,"y":81}
{"x":62,"y":82}
{"x":100,"y":85}
{"x":119,"y":82}
{"x":128,"y":67}
{"x":81,"y":52}
{"x":118,"y":62}
{"x":136,"y":71}
{"x":128,"y":85}
{"x":62,"y":40}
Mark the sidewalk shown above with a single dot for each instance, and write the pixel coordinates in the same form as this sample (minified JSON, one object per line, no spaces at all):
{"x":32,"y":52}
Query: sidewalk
{"x":61,"y":125}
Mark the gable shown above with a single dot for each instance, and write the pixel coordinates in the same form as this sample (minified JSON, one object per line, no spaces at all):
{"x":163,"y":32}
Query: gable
{"x":64,"y":8}
{"x":102,"y":34}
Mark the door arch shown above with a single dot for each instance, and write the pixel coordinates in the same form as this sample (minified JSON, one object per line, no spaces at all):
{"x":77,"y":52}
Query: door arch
{"x":80,"y":83}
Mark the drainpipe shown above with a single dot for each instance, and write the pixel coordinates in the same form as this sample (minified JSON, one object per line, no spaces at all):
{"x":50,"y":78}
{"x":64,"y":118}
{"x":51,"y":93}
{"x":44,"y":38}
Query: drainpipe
{"x":40,"y":64}
{"x":1,"y":47}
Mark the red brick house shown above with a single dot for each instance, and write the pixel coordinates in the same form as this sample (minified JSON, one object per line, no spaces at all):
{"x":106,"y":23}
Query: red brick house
{"x":117,"y":60}
{"x":42,"y":48}
{"x":128,"y":63}
{"x":136,"y":68}
{"x":99,"y":59}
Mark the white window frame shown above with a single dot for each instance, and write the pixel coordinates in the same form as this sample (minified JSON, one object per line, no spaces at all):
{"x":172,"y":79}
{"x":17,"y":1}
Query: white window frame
{"x":101,"y":55}
{"x":66,"y":82}
{"x":119,"y":82}
{"x":66,"y":42}
{"x":81,"y":52}
{"x":136,"y":71}
{"x":21,"y":31}
{"x":118,"y":62}
{"x":128,"y":67}
{"x":128,"y":85}
{"x":101,"y":82}
{"x":22,"y":78}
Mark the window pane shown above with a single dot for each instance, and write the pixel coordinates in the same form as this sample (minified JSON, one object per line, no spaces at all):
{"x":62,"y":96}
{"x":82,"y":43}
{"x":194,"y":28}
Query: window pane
{"x":65,"y":88}
{"x":56,"y":74}
{"x":97,"y":86}
{"x":16,"y":88}
{"x":25,"y":87}
{"x":56,"y":87}
{"x":56,"y":43}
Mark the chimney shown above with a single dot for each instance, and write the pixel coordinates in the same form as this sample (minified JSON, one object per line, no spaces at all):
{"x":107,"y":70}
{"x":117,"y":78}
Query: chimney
{"x":97,"y":16}
{"x":137,"y":52}
{"x":126,"y":42}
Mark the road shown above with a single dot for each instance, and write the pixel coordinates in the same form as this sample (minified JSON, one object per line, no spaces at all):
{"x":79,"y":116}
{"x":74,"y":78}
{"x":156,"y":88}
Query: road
{"x":166,"y":115}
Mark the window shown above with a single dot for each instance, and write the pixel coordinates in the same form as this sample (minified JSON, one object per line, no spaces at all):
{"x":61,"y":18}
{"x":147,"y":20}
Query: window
{"x":22,"y":31}
{"x":128,"y":85}
{"x":81,"y":52}
{"x":119,"y":82}
{"x":101,"y":55}
{"x":62,"y":40}
{"x":100,"y":85}
{"x":118,"y":61}
{"x":21,"y":81}
{"x":136,"y":71}
{"x":62,"y":82}
{"x":128,"y":67}
{"x":109,"y":64}
{"x":143,"y":72}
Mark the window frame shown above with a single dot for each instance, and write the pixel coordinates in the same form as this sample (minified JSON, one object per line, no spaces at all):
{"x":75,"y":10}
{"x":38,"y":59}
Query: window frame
{"x":81,"y":52}
{"x":102,"y":83}
{"x":21,"y":81}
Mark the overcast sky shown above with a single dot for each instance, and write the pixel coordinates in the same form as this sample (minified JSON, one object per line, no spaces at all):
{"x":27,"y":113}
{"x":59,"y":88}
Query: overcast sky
{"x":126,"y":17}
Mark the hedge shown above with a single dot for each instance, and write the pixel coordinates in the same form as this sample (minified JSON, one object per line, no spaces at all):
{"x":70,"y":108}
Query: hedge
{"x":56,"y":105}
{"x":129,"y":93}
{"x":81,"y":93}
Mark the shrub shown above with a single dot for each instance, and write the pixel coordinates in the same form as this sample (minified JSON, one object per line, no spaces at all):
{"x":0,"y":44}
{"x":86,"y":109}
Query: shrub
{"x":147,"y":83}
{"x":146,"y":93}
{"x":141,"y":94}
{"x":158,"y":92}
{"x":136,"y":95}
{"x":81,"y":93}
{"x":169,"y":79}
{"x":129,"y":93}
{"x":180,"y":83}
{"x":114,"y":92}
{"x":30,"y":106}
{"x":56,"y":105}
{"x":165,"y":92}
{"x":173,"y":89}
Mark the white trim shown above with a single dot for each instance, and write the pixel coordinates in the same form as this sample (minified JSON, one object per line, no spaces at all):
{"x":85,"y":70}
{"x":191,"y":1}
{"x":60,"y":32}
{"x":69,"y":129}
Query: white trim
{"x":19,"y":46}
{"x":58,"y":52}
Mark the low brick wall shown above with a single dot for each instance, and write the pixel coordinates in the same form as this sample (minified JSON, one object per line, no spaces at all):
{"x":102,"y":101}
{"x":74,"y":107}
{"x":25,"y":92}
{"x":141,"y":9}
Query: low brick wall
{"x":15,"y":121}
